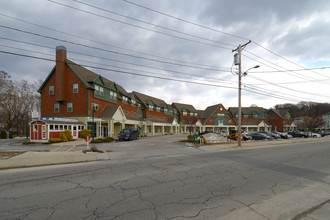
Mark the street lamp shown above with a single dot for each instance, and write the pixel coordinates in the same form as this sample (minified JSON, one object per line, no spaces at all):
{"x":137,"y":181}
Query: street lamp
{"x":93,"y":127}
{"x":239,"y":103}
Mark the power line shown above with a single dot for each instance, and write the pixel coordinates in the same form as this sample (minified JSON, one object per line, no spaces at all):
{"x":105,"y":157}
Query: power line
{"x":102,"y":43}
{"x":118,"y":71}
{"x":85,"y":61}
{"x":309,"y":93}
{"x":157,"y":77}
{"x":104,"y":50}
{"x":151,"y":24}
{"x":109,"y":59}
{"x":212,"y":29}
{"x":136,"y":26}
{"x":189,"y":22}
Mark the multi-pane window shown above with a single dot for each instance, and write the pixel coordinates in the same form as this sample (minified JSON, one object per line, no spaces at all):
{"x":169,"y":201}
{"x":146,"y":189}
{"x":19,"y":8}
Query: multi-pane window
{"x":191,"y":114}
{"x":70,"y":107}
{"x":133,"y":102}
{"x":75,"y":88}
{"x":151,"y":107}
{"x":157,"y":108}
{"x":184,"y":113}
{"x":56,"y":107}
{"x":125,"y":99}
{"x":101,"y":91}
{"x":195,"y":114}
{"x":97,"y":88}
{"x":51,"y":90}
{"x":113,"y":95}
{"x":95,"y":106}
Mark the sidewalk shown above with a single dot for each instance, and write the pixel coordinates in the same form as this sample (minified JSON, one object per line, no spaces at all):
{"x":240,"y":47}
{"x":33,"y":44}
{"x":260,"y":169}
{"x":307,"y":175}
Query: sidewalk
{"x":33,"y":159}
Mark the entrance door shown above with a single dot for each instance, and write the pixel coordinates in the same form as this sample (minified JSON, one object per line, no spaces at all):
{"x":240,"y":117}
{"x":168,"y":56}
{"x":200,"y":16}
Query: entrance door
{"x":74,"y":132}
{"x":43,"y":132}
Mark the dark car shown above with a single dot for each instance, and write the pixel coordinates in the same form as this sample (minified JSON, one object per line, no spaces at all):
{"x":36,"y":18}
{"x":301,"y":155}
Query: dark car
{"x":298,"y":134}
{"x":270,"y":134}
{"x":324,"y":133}
{"x":246,"y":137}
{"x":128,"y":134}
{"x":283,"y":135}
{"x":260,"y":136}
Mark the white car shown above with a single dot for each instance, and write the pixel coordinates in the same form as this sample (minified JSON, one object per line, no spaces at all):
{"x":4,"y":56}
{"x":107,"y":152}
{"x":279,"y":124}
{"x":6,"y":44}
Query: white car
{"x":314,"y":135}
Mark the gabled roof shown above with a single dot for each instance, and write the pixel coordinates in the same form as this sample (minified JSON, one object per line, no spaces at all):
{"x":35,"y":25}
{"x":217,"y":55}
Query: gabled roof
{"x":281,"y":112}
{"x":208,"y":112}
{"x":247,"y":110}
{"x":109,"y":111}
{"x":145,"y":99}
{"x":85,"y":75}
{"x":181,"y":106}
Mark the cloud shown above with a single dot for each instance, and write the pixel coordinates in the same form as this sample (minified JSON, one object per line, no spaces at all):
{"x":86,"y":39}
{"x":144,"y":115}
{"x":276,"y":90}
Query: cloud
{"x":296,"y":33}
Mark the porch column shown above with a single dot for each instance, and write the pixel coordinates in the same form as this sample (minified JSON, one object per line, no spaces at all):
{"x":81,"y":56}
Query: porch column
{"x":152,"y":129}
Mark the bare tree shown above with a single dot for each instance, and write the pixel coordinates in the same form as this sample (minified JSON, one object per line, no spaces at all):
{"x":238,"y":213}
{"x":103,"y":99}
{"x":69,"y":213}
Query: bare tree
{"x":16,"y":100}
{"x":313,"y":122}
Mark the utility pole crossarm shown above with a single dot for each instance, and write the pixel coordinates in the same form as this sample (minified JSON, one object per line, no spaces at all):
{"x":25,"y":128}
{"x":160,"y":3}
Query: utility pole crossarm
{"x":242,"y":46}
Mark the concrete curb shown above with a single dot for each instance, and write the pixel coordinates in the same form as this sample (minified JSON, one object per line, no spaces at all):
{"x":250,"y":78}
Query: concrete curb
{"x":33,"y":159}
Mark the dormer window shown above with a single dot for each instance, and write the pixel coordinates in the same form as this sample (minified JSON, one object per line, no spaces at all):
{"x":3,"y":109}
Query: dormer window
{"x":158,"y":109}
{"x":133,"y":102}
{"x":191,"y":114}
{"x":97,"y":90}
{"x":113,"y":95}
{"x":125,"y":99}
{"x":184,"y":113}
{"x":101,"y":91}
{"x":151,"y":108}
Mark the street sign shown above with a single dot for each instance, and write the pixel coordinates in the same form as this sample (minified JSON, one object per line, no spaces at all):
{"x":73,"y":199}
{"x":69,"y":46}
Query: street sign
{"x":87,"y":139}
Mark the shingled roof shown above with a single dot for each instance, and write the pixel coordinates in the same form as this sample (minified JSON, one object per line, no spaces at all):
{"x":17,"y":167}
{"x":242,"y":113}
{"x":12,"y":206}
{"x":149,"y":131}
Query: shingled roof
{"x":281,"y":112}
{"x":145,"y":99}
{"x":181,"y":106}
{"x":247,"y":110}
{"x":109,"y":111}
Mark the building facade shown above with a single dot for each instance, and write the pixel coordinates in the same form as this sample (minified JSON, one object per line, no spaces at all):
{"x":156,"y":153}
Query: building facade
{"x":103,"y":106}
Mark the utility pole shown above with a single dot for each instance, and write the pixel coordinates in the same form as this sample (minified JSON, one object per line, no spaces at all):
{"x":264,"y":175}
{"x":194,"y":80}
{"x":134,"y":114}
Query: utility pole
{"x":239,"y":63}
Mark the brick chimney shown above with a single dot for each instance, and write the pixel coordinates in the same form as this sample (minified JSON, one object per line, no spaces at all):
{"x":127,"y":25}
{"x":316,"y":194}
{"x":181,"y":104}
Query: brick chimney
{"x":60,"y":72}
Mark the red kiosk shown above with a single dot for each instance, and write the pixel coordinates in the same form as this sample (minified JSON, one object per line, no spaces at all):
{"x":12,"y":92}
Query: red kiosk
{"x":44,"y":128}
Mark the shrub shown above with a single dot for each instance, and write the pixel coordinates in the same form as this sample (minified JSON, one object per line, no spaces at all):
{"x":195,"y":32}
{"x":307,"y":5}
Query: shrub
{"x":190,"y":137}
{"x":85,"y":132}
{"x":68,"y":135}
{"x":3,"y":135}
{"x":108,"y":139}
{"x":98,"y":140}
{"x":54,"y":140}
{"x":63,"y":137}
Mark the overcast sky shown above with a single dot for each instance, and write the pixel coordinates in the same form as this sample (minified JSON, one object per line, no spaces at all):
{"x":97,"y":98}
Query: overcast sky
{"x":287,"y":37}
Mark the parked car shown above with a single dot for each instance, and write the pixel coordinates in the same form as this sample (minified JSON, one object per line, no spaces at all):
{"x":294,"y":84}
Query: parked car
{"x":325,"y":133}
{"x":244,"y":136}
{"x":260,"y":136}
{"x":314,"y":135}
{"x":298,"y":134}
{"x":128,"y":134}
{"x":272,"y":135}
{"x":283,"y":135}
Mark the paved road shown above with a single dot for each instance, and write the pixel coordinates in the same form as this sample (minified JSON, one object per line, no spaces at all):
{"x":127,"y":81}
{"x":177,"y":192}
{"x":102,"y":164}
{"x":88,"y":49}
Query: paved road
{"x":279,"y":182}
{"x":156,"y":142}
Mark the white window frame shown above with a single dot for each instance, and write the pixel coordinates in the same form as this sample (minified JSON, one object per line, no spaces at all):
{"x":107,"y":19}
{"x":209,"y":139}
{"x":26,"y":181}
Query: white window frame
{"x":101,"y":91}
{"x":75,"y":87}
{"x":51,"y":91}
{"x":97,"y":88}
{"x":69,"y":108}
{"x":157,"y":108}
{"x":56,"y":108}
{"x":95,"y":106}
